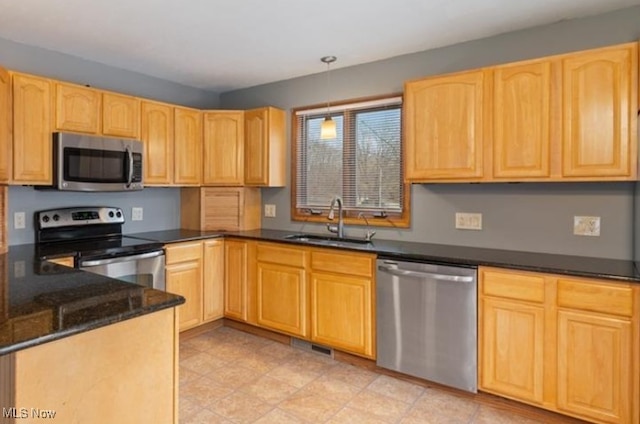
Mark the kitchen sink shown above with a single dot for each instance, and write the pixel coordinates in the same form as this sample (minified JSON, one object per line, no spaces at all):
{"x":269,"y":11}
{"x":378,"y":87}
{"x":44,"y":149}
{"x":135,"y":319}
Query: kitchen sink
{"x":328,"y":240}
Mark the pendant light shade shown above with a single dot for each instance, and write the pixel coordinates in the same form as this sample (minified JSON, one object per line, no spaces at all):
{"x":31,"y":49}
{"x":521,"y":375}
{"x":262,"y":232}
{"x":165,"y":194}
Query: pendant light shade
{"x":328,"y":128}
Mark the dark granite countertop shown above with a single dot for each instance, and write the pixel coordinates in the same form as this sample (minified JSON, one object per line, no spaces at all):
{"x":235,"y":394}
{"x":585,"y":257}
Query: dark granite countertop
{"x":611,"y":269}
{"x":41,"y":301}
{"x":175,"y":236}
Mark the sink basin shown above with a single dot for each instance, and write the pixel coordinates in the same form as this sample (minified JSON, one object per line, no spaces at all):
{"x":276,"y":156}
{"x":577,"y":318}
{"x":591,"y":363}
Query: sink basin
{"x":327,"y":240}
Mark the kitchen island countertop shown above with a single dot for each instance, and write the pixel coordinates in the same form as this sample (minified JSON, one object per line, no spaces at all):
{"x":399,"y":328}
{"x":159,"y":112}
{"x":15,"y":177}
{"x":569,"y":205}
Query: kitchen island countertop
{"x":41,"y":301}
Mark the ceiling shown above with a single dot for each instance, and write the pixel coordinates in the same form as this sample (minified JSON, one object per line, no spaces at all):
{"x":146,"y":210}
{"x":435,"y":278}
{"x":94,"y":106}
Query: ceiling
{"x":222,"y":45}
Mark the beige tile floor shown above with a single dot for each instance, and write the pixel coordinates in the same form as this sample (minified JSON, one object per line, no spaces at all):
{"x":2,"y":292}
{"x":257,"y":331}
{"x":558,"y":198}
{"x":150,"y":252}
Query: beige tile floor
{"x":228,"y":376}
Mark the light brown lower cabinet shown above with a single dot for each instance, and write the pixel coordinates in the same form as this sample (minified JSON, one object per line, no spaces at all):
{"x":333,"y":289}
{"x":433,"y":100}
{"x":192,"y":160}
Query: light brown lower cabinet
{"x":342,"y":309}
{"x":91,"y":366}
{"x":195,"y":270}
{"x":282,"y":289}
{"x":236,"y":295}
{"x":213,"y":280}
{"x":567,"y":344}
{"x":321,"y":295}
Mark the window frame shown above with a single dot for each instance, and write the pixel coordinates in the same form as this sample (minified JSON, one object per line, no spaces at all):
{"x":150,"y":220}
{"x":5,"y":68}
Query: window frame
{"x":391,"y":219}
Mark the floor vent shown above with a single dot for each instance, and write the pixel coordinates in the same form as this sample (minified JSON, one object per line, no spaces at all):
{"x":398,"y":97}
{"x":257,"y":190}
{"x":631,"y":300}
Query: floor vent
{"x":311,"y":347}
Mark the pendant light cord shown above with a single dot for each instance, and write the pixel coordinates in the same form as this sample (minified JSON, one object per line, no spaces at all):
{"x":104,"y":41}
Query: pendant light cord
{"x":328,"y":60}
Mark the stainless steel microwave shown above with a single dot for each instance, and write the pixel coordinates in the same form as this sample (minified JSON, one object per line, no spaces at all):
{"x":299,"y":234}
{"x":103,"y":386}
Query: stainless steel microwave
{"x":92,"y":163}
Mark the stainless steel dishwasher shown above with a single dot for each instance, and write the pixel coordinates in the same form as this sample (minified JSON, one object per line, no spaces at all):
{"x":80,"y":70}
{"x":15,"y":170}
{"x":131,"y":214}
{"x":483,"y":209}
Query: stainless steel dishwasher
{"x":427,"y":321}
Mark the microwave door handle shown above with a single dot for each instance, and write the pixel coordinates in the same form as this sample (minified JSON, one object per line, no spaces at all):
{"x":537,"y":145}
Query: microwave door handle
{"x":130,"y":155}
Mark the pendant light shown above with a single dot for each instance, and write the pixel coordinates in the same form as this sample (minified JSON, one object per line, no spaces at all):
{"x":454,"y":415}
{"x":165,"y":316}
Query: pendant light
{"x":328,"y":127}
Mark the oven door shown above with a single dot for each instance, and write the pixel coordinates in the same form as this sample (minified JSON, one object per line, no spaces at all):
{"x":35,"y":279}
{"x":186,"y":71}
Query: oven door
{"x":146,"y":269}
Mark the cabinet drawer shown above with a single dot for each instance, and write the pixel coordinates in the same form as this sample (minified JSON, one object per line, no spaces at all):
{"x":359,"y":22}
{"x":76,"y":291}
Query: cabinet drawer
{"x":182,"y":252}
{"x":341,"y":262}
{"x":512,"y":285}
{"x":277,"y":254}
{"x":595,"y":297}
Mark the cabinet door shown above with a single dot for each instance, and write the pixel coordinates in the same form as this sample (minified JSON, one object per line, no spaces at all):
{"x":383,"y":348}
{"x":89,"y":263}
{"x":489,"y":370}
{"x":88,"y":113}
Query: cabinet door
{"x":265,"y":148}
{"x":341,"y":312}
{"x":185,"y":279}
{"x":213,"y":280}
{"x":444,"y":123}
{"x":511,"y":356}
{"x":188,"y":147}
{"x":522,"y":121}
{"x":235,"y":280}
{"x":5,"y":126}
{"x":594,"y":366}
{"x":120,"y":115}
{"x":282,"y":298}
{"x":223,"y":148}
{"x":32,"y":138}
{"x":77,"y":108}
{"x":157,"y":136}
{"x":223,"y":209}
{"x":600,"y":105}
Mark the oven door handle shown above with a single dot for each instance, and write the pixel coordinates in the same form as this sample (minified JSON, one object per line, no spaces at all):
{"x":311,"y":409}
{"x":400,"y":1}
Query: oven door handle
{"x":99,"y":262}
{"x":427,"y":275}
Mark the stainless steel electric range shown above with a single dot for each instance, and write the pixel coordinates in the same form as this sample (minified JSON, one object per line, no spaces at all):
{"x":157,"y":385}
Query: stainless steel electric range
{"x":93,"y":236}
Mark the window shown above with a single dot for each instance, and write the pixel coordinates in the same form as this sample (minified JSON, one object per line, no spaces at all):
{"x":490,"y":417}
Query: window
{"x":362,"y":165}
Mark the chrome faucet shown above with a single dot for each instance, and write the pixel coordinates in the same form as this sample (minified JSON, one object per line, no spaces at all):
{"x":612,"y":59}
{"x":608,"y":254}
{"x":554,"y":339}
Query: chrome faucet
{"x":336,"y":229}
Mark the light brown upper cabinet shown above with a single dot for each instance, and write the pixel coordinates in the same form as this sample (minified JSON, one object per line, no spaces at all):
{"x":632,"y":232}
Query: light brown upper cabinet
{"x":265,"y":147}
{"x":120,"y":115}
{"x":188,"y":147}
{"x":5,"y":126}
{"x":91,"y":111}
{"x":599,"y":121}
{"x":522,"y":111}
{"x":31,"y":130}
{"x":445,"y":127}
{"x":157,"y":123}
{"x":569,"y":117}
{"x":223,"y":148}
{"x":77,"y":108}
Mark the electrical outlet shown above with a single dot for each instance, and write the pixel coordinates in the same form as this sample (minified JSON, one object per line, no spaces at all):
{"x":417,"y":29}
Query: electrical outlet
{"x":19,"y":269}
{"x":468,"y":221}
{"x":270,"y":211}
{"x":136,"y":214}
{"x":586,"y":226}
{"x":19,"y":220}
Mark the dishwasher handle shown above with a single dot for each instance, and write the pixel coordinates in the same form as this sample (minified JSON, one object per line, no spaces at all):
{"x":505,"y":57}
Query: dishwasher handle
{"x":119,"y":259}
{"x":422,"y":274}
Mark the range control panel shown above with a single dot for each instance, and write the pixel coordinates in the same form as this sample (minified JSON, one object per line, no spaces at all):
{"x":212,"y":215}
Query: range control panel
{"x":80,"y":216}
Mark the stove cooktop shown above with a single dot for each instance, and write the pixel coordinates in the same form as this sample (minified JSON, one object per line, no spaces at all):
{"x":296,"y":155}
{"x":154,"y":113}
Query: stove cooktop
{"x":97,"y":248}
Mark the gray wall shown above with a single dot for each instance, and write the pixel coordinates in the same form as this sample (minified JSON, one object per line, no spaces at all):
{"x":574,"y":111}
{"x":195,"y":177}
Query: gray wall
{"x":64,"y":67}
{"x":161,"y":208}
{"x":528,"y":216}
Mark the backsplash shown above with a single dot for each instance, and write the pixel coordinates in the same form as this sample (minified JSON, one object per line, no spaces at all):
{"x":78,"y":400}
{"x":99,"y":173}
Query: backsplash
{"x":161,"y":208}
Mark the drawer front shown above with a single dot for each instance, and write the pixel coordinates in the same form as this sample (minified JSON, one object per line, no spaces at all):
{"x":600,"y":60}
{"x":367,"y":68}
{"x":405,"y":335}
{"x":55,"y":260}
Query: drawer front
{"x":183,"y":252}
{"x":342,"y":262}
{"x":512,"y":285}
{"x":595,"y":296}
{"x":276,"y":254}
